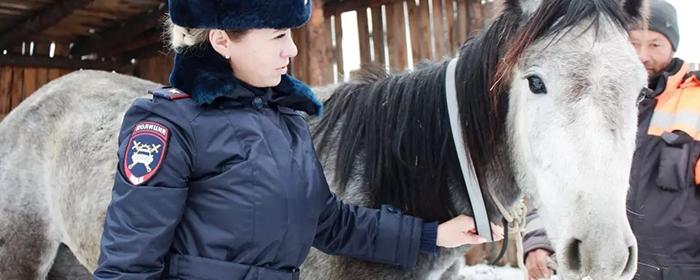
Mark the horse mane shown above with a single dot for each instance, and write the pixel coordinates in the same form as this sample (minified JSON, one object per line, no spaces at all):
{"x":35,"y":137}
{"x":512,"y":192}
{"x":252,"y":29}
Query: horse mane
{"x":397,"y":129}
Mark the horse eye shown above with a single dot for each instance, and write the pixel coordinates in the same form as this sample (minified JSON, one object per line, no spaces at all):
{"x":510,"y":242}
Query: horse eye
{"x":536,"y":85}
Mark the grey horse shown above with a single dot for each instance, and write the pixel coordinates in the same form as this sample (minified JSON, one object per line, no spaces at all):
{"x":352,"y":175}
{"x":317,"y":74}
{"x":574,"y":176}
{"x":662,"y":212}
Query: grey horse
{"x":547,"y":100}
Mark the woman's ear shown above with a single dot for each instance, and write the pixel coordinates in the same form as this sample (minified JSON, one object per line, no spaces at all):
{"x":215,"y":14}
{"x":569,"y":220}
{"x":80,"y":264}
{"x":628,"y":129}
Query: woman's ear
{"x":221,"y":42}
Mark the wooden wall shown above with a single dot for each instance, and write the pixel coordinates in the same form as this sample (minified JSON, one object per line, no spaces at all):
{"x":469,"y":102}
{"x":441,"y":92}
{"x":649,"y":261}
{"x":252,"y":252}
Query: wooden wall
{"x":396,"y":32}
{"x":17,"y":83}
{"x":391,"y":32}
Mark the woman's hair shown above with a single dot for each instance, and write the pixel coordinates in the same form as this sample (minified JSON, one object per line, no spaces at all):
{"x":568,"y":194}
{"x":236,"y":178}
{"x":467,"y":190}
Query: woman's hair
{"x":179,"y":38}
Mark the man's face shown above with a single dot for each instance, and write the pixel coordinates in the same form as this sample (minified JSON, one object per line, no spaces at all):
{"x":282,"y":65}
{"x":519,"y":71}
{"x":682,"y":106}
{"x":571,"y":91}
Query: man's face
{"x":653,"y":49}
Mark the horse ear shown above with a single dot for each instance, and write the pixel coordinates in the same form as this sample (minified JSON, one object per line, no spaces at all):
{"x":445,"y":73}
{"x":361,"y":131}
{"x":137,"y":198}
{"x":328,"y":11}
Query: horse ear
{"x":636,"y":9}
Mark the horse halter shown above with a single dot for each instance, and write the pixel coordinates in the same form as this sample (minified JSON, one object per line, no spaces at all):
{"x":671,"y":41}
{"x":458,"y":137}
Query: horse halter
{"x":514,"y":217}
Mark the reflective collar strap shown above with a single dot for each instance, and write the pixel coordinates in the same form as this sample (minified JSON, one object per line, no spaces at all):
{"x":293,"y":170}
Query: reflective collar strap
{"x":483,"y":226}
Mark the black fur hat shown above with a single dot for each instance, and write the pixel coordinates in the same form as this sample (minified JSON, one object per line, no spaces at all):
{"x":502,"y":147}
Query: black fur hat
{"x":240,"y":14}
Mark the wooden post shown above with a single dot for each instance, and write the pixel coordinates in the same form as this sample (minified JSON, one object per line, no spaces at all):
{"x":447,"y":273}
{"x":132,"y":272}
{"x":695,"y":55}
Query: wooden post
{"x":328,"y":72}
{"x":476,"y":16}
{"x":415,"y":26}
{"x":462,"y":21}
{"x":363,"y":32}
{"x":424,"y":39}
{"x":378,"y":35}
{"x":318,"y":57}
{"x":396,"y":38}
{"x":439,"y":32}
{"x":450,"y":32}
{"x":338,"y":52}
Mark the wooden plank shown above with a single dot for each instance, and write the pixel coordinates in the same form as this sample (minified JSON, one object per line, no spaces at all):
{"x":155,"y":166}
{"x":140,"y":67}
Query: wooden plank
{"x":398,"y":42}
{"x":328,"y":71}
{"x":415,"y":27}
{"x":378,"y":35}
{"x":476,"y":16}
{"x":29,"y":82}
{"x":40,"y":22}
{"x":42,"y":77}
{"x":5,"y":89}
{"x":462,"y":21}
{"x":338,"y":51}
{"x":450,"y":27}
{"x":438,"y":30}
{"x":317,"y":63}
{"x":54,"y":73}
{"x":363,"y":32}
{"x":16,"y":89}
{"x":59,"y":62}
{"x":424,"y":39}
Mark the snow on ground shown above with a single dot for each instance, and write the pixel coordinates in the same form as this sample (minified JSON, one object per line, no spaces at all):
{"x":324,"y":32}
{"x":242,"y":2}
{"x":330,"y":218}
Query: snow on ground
{"x":485,"y":272}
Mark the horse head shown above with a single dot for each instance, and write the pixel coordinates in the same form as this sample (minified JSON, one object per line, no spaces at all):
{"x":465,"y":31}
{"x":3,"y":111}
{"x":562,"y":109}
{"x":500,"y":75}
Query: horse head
{"x":571,"y":80}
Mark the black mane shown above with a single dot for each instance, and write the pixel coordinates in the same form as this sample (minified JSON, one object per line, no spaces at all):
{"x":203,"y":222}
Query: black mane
{"x":400,"y":123}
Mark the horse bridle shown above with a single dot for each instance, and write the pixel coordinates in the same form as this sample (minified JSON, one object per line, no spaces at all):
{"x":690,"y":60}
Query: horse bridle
{"x":515,"y":217}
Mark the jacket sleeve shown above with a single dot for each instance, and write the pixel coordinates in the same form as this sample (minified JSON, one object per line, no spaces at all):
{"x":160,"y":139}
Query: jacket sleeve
{"x":378,"y":235}
{"x":535,"y":234}
{"x":141,"y":219}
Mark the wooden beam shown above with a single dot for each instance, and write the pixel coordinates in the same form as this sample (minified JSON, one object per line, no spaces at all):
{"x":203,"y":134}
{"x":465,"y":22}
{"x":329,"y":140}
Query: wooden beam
{"x":142,"y":52}
{"x":132,"y":28}
{"x":59,"y":62}
{"x":45,"y":19}
{"x":147,"y":39}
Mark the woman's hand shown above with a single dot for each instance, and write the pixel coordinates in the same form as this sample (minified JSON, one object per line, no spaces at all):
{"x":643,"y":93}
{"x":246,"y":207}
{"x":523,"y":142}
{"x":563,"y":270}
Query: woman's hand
{"x":461,"y":230}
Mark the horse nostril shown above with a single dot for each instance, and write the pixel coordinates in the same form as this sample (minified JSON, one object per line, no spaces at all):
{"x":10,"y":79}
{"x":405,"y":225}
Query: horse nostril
{"x":572,"y":254}
{"x":631,"y":260}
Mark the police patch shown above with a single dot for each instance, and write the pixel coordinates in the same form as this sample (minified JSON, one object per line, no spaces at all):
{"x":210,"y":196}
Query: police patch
{"x":145,"y":151}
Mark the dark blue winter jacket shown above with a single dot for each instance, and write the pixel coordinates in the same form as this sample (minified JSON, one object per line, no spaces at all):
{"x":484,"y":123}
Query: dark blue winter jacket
{"x":230,"y":188}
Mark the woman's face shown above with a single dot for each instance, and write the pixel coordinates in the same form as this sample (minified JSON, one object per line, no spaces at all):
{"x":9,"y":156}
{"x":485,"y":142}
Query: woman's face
{"x":260,"y":57}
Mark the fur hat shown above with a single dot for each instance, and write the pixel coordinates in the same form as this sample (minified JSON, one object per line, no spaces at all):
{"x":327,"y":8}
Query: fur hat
{"x":240,"y":14}
{"x":663,"y":19}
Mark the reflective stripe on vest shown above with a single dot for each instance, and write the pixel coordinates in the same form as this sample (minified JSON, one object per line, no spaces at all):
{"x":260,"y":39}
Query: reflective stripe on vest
{"x":678,"y":108}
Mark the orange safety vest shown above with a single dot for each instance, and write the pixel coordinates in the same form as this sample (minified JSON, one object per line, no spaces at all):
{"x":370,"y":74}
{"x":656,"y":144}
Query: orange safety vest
{"x":678,"y":108}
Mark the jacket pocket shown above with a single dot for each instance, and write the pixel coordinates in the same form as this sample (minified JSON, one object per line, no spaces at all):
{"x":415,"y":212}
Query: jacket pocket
{"x":675,"y":170}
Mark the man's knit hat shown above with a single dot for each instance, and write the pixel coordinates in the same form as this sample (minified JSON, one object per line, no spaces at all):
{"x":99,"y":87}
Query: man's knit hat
{"x":663,"y":19}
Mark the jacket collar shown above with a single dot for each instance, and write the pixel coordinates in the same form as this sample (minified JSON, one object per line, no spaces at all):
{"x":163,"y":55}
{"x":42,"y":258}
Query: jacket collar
{"x":206,"y":76}
{"x":668,"y":77}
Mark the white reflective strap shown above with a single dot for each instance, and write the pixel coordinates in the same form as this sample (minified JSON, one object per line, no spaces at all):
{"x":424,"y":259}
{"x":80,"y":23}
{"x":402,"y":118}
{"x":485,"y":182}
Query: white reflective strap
{"x":483,"y":226}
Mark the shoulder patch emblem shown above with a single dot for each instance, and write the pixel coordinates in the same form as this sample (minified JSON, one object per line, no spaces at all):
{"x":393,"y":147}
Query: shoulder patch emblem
{"x":145,"y":152}
{"x":169,"y":93}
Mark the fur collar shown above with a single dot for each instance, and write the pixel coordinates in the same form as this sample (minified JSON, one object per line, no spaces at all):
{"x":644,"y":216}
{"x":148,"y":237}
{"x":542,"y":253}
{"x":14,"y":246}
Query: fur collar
{"x":205,"y":76}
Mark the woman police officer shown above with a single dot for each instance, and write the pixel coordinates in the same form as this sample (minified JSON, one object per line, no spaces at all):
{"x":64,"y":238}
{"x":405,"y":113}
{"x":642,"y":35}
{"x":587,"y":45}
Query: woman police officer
{"x":217,"y":176}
